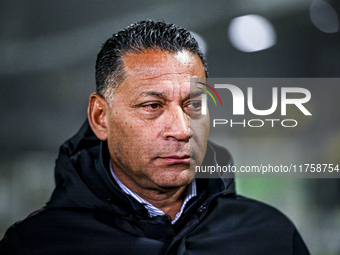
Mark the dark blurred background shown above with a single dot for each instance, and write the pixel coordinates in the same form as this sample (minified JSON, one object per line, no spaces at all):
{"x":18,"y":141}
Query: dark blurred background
{"x":48,"y":50}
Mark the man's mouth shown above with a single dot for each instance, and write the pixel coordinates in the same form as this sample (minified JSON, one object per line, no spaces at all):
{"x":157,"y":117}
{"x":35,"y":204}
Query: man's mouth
{"x":176,"y":158}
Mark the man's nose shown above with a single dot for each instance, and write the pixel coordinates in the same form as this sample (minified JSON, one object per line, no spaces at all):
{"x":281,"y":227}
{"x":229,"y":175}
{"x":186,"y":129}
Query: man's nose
{"x":177,"y":125}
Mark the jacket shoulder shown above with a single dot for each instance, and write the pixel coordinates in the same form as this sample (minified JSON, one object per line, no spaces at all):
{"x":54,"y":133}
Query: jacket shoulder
{"x":39,"y":231}
{"x":239,"y":225}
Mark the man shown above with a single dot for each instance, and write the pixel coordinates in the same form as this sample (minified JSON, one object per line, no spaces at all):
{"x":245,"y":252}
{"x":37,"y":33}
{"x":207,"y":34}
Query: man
{"x":125,"y":183}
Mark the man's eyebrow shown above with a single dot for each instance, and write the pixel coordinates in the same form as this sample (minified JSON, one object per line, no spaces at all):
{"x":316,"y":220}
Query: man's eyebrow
{"x":163,"y":95}
{"x":196,"y":94}
{"x":153,"y":93}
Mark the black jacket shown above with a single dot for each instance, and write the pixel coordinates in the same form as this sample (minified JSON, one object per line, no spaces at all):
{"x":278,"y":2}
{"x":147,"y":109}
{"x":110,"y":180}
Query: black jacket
{"x":89,"y":214}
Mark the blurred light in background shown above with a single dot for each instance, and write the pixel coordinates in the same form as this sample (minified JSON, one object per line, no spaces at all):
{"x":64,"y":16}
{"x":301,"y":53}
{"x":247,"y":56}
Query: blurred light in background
{"x":201,"y":42}
{"x":251,"y":33}
{"x":324,"y":16}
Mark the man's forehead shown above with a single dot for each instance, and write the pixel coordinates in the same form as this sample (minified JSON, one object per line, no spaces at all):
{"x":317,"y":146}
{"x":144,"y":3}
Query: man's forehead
{"x":163,"y":88}
{"x":155,"y":63}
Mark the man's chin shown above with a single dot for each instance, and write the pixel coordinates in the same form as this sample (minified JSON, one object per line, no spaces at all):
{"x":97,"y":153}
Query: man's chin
{"x":174,"y":180}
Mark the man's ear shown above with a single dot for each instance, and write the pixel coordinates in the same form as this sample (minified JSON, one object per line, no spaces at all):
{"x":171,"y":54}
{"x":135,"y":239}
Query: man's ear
{"x":97,"y":112}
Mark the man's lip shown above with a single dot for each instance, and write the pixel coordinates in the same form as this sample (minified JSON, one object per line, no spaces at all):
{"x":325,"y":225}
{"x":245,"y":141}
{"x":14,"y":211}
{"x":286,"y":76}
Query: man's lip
{"x":177,"y":158}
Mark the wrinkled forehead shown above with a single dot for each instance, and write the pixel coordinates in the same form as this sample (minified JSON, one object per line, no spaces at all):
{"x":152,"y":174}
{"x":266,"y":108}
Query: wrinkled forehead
{"x":154,"y":63}
{"x":159,"y":73}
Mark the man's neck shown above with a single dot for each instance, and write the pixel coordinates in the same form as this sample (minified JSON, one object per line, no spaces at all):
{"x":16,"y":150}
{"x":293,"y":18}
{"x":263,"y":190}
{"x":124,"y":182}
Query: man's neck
{"x":169,"y":202}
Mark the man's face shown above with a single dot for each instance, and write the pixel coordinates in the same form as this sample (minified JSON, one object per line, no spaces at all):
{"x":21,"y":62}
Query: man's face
{"x":151,"y":139}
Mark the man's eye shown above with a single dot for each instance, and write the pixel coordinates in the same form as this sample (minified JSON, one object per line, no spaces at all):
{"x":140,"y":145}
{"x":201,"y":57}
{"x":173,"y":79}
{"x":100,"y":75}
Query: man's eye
{"x":153,"y":106}
{"x":195,"y":105}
